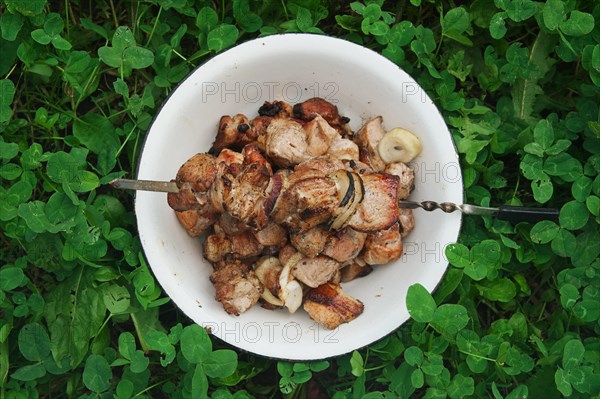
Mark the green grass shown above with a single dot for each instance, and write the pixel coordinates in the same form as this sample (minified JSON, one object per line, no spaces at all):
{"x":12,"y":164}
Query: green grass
{"x":518,"y":82}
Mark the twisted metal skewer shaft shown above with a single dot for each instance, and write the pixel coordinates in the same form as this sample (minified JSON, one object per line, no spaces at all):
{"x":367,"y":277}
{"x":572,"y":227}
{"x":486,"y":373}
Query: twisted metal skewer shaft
{"x":448,"y":207}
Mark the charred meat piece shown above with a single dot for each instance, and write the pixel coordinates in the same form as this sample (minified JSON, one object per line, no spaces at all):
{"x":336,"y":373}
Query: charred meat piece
{"x":379,"y":208}
{"x":368,"y":138}
{"x":310,"y":242}
{"x":195,"y":222}
{"x":329,"y":306}
{"x":277,"y":109}
{"x":237,"y":287}
{"x":234,"y":133}
{"x":315,"y":271}
{"x":310,"y":108}
{"x":383,"y":246}
{"x":218,"y":247}
{"x":406,"y":175}
{"x":406,"y":220}
{"x":345,"y":245}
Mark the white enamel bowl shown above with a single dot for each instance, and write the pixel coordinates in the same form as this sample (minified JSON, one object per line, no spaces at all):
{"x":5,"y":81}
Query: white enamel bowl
{"x":293,"y":68}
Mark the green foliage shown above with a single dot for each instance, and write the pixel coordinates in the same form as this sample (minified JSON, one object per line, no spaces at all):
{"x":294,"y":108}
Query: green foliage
{"x":517,"y":313}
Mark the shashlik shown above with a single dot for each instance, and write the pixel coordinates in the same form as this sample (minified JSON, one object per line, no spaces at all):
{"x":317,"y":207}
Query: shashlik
{"x":295,"y":204}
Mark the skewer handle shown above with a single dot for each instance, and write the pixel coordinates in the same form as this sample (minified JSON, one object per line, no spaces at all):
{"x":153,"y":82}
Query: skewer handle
{"x":515,"y":214}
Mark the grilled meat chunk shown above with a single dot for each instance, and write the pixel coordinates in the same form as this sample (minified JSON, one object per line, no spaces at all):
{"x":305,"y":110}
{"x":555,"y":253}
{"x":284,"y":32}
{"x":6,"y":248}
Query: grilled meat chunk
{"x":343,"y":149}
{"x":345,"y":245}
{"x":218,"y":247}
{"x":310,"y":108}
{"x":237,"y":287}
{"x":319,"y":136}
{"x":383,"y":246}
{"x":286,"y":253}
{"x":245,"y":199}
{"x":284,"y":142}
{"x":195,"y":222}
{"x":315,"y":271}
{"x":306,"y":203}
{"x":272,"y":235}
{"x":355,"y":270}
{"x":407,"y":221}
{"x":268,"y":269}
{"x":197,"y":173}
{"x":329,"y":306}
{"x":379,"y":208}
{"x":407,"y":178}
{"x":310,"y":242}
{"x":324,"y":164}
{"x":368,"y":138}
{"x":229,"y":157}
{"x":277,"y":108}
{"x":234,"y":133}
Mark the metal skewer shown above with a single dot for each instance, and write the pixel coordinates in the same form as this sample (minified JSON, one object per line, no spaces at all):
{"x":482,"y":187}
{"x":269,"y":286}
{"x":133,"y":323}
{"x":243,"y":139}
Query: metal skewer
{"x":510,"y":213}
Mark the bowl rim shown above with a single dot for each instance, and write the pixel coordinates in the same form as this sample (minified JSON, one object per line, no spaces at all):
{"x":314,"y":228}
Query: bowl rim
{"x":284,"y":36}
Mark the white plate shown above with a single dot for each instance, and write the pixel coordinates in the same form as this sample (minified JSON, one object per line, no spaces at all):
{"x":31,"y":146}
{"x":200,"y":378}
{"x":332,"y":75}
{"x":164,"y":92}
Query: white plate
{"x":293,"y":68}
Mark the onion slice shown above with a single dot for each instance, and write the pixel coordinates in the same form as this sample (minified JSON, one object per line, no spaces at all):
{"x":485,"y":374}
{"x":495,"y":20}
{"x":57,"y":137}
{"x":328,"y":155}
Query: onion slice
{"x":290,"y":292}
{"x":345,"y":211}
{"x":276,"y":183}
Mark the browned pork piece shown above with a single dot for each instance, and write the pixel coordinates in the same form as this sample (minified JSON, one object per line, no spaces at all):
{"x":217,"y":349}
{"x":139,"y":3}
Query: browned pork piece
{"x":219,"y":247}
{"x":345,"y":245}
{"x":245,"y":199}
{"x":383,"y":246}
{"x":310,"y":108}
{"x":195,"y":222}
{"x":368,"y":138}
{"x":305,"y":201}
{"x":310,"y":242}
{"x":330,"y":306}
{"x":407,"y":178}
{"x":272,"y":235}
{"x":343,"y":149}
{"x":234,"y":133}
{"x":284,"y":142}
{"x":276,"y":109}
{"x":286,"y":253}
{"x":268,"y":269}
{"x":315,"y":271}
{"x":194,"y":178}
{"x":324,"y":164}
{"x":355,"y":270}
{"x":237,"y":287}
{"x":379,"y":208}
{"x":319,"y":136}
